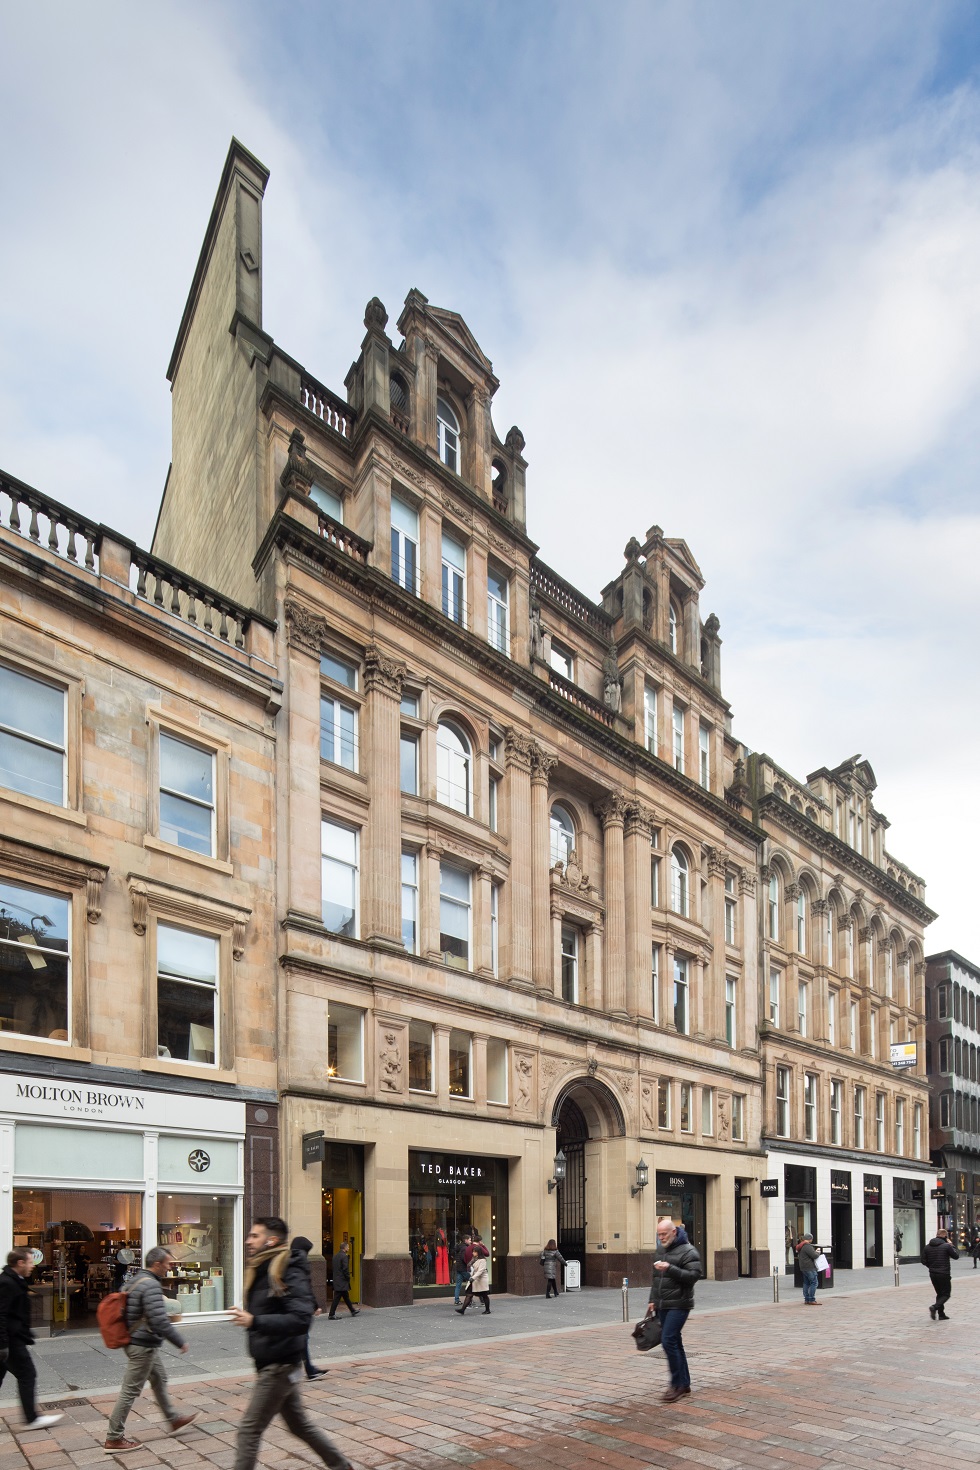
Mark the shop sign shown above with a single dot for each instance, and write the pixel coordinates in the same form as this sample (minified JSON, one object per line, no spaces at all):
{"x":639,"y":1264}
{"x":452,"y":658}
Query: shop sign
{"x":22,"y":1095}
{"x":872,"y":1189}
{"x":840,"y":1186}
{"x":939,"y":1194}
{"x":904,"y":1053}
{"x":769,"y":1188}
{"x":313,"y":1148}
{"x":961,"y":1184}
{"x":680,"y":1183}
{"x":449,"y":1171}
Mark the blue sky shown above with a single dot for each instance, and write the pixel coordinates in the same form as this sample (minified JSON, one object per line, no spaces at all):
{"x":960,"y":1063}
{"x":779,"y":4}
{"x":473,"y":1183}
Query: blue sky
{"x":725,"y":259}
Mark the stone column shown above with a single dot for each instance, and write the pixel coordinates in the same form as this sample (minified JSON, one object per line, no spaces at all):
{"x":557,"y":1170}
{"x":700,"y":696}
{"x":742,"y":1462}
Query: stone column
{"x":692,"y":630}
{"x":542,"y":766}
{"x":519,"y":749}
{"x":556,"y":920}
{"x":441,"y":1078}
{"x":382,"y":859}
{"x":636,"y":857}
{"x":593,"y":958}
{"x":611,"y":813}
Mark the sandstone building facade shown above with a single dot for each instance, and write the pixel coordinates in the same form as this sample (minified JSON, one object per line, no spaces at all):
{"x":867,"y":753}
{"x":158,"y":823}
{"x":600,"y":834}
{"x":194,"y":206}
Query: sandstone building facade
{"x":138,"y":1079}
{"x":952,"y":1023}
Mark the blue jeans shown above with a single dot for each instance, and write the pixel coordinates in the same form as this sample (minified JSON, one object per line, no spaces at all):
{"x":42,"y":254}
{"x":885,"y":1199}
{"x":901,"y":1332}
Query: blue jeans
{"x":462,"y":1279}
{"x":671,"y":1324}
{"x":809,"y":1286}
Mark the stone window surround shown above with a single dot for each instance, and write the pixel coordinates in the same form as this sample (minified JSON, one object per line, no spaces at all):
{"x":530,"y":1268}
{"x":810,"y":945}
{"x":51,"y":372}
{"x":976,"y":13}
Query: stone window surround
{"x":74,"y":687}
{"x":166,"y":722}
{"x":153,"y":902}
{"x":22,"y":862}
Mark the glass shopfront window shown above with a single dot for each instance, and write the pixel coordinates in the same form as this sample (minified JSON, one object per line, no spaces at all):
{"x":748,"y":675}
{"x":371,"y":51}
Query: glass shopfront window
{"x":451,"y":1195}
{"x":800,"y":1188}
{"x":77,"y":1236}
{"x":910,"y":1200}
{"x":199,"y":1232}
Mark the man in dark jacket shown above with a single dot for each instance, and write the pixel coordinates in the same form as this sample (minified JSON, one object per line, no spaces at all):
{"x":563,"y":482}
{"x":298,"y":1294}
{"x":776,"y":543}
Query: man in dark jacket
{"x":277,"y":1314}
{"x":341,"y":1281}
{"x":676,"y":1267}
{"x":463,"y":1256}
{"x":807,"y":1257}
{"x":16,"y":1335}
{"x":149,"y":1323}
{"x":936,"y":1256}
{"x":304,"y":1246}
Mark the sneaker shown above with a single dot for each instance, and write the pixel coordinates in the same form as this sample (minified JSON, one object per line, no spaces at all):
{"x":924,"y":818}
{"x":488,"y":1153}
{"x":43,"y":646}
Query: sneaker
{"x":355,"y":1311}
{"x":932,"y":1312}
{"x":318,"y":1373}
{"x":45,"y":1421}
{"x":182,"y":1421}
{"x":117,"y":1446}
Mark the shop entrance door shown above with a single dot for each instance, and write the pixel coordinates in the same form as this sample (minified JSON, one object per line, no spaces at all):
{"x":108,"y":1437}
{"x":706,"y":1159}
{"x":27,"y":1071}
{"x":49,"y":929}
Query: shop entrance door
{"x":743,"y":1231}
{"x":687,"y":1206}
{"x":840,"y":1236}
{"x":342,"y":1207}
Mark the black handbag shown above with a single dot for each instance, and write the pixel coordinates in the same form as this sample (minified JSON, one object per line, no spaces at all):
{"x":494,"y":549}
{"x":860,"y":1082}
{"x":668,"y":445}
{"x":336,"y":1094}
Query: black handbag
{"x":647,"y":1334}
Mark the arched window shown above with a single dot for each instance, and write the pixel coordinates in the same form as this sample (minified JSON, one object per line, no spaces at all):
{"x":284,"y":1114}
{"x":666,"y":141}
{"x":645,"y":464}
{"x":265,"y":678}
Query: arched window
{"x":448,"y":435}
{"x":672,"y":627}
{"x":562,"y":834}
{"x":801,"y":921}
{"x":772,"y":908}
{"x":679,"y":882}
{"x":453,"y":768}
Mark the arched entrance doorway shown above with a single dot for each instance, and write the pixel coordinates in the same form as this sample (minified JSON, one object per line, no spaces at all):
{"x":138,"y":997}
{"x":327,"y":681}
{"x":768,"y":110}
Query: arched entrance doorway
{"x":585,"y":1111}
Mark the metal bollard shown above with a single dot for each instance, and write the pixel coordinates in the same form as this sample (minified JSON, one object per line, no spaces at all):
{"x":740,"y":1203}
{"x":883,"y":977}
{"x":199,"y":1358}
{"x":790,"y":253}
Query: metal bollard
{"x":775,"y":1284}
{"x":898,"y":1277}
{"x":626,"y":1298}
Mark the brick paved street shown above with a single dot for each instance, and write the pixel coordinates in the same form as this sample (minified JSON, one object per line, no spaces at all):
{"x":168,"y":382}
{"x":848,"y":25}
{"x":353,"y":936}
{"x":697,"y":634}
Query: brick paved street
{"x":865,"y":1380}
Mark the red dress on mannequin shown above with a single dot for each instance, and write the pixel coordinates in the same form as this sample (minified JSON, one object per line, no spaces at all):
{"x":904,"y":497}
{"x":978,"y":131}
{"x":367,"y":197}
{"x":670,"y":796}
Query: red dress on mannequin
{"x":442,"y":1259}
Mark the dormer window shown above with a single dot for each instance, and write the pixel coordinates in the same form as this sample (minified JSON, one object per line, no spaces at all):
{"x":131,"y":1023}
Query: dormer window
{"x":448,"y":435}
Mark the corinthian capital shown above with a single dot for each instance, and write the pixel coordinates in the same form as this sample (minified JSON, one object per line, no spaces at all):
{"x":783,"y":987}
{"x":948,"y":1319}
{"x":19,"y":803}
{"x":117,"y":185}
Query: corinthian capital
{"x":542,"y":765}
{"x":639,"y":819}
{"x":518,"y":749}
{"x":382,"y":672}
{"x":611,"y":811}
{"x":305,"y":629}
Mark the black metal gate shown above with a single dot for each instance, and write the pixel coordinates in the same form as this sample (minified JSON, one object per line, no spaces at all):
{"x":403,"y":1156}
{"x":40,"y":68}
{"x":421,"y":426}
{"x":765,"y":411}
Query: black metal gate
{"x":572,"y":1134}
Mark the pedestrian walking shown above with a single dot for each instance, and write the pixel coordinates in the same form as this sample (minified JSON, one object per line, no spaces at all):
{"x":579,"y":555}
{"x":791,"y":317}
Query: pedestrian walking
{"x":341,"y":1281}
{"x":936,"y":1257}
{"x":807,"y":1257}
{"x":975,"y":1244}
{"x":149,"y":1323}
{"x":462,"y":1265}
{"x":16,"y":1335}
{"x":676,"y":1268}
{"x":551,"y":1259}
{"x":479,"y":1280}
{"x":277,"y":1312}
{"x":301,"y":1246}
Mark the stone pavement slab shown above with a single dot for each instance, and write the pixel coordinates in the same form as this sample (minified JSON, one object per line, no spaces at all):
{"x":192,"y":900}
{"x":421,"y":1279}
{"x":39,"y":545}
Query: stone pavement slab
{"x":865,"y":1381}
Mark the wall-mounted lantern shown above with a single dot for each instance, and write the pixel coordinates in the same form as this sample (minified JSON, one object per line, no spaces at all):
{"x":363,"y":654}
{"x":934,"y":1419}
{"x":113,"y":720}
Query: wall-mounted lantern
{"x":560,"y":1164}
{"x":642,"y":1178}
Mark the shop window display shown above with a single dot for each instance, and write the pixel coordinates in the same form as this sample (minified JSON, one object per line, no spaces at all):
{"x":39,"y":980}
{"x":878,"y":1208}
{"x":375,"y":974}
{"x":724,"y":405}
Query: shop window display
{"x":199,"y":1232}
{"x":85,"y":1244}
{"x":449,"y":1198}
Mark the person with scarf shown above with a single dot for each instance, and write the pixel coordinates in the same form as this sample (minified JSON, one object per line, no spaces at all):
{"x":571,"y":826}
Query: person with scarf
{"x":277,"y":1312}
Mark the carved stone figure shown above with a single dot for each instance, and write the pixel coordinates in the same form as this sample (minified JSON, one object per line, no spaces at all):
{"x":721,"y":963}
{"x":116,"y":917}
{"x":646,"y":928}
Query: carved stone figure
{"x":612,"y":688}
{"x":536,"y":631}
{"x":524,"y":1074}
{"x":390,"y":1062}
{"x":646,"y":1105}
{"x":724,"y":1120}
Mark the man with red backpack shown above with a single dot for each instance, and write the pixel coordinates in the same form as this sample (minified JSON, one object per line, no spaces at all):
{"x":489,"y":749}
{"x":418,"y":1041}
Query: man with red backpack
{"x":149,"y":1323}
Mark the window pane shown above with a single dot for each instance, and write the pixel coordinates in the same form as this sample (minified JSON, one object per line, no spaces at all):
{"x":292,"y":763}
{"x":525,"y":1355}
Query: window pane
{"x":497,"y":585}
{"x":496,"y":1070}
{"x":339,"y":842}
{"x":420,"y":1057}
{"x":185,"y":824}
{"x":32,"y":707}
{"x":409,"y":765}
{"x":453,"y":553}
{"x":410,"y":705}
{"x":31,"y":769}
{"x":404,"y":518}
{"x":33,"y":963}
{"x":338,"y":670}
{"x":345,"y":1051}
{"x":410,"y":902}
{"x":459,"y":1064}
{"x":339,"y":898}
{"x":186,"y":769}
{"x":185,"y":1020}
{"x":327,"y":501}
{"x":194,"y":956}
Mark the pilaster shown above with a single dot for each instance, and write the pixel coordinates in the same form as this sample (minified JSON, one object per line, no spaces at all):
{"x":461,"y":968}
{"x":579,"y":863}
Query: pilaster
{"x":382,"y":900}
{"x":611,"y":812}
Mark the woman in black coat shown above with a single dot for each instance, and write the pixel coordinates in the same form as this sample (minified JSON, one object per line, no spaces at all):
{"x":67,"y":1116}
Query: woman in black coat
{"x":676,"y":1267}
{"x":302,"y":1247}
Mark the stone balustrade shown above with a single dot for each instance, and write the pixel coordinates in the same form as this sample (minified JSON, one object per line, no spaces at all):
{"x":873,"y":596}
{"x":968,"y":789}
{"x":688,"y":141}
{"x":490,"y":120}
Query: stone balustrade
{"x":343,"y":538}
{"x":574,"y":695}
{"x":47,"y":523}
{"x":548,"y":584}
{"x":156,"y":581}
{"x":326,"y":406}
